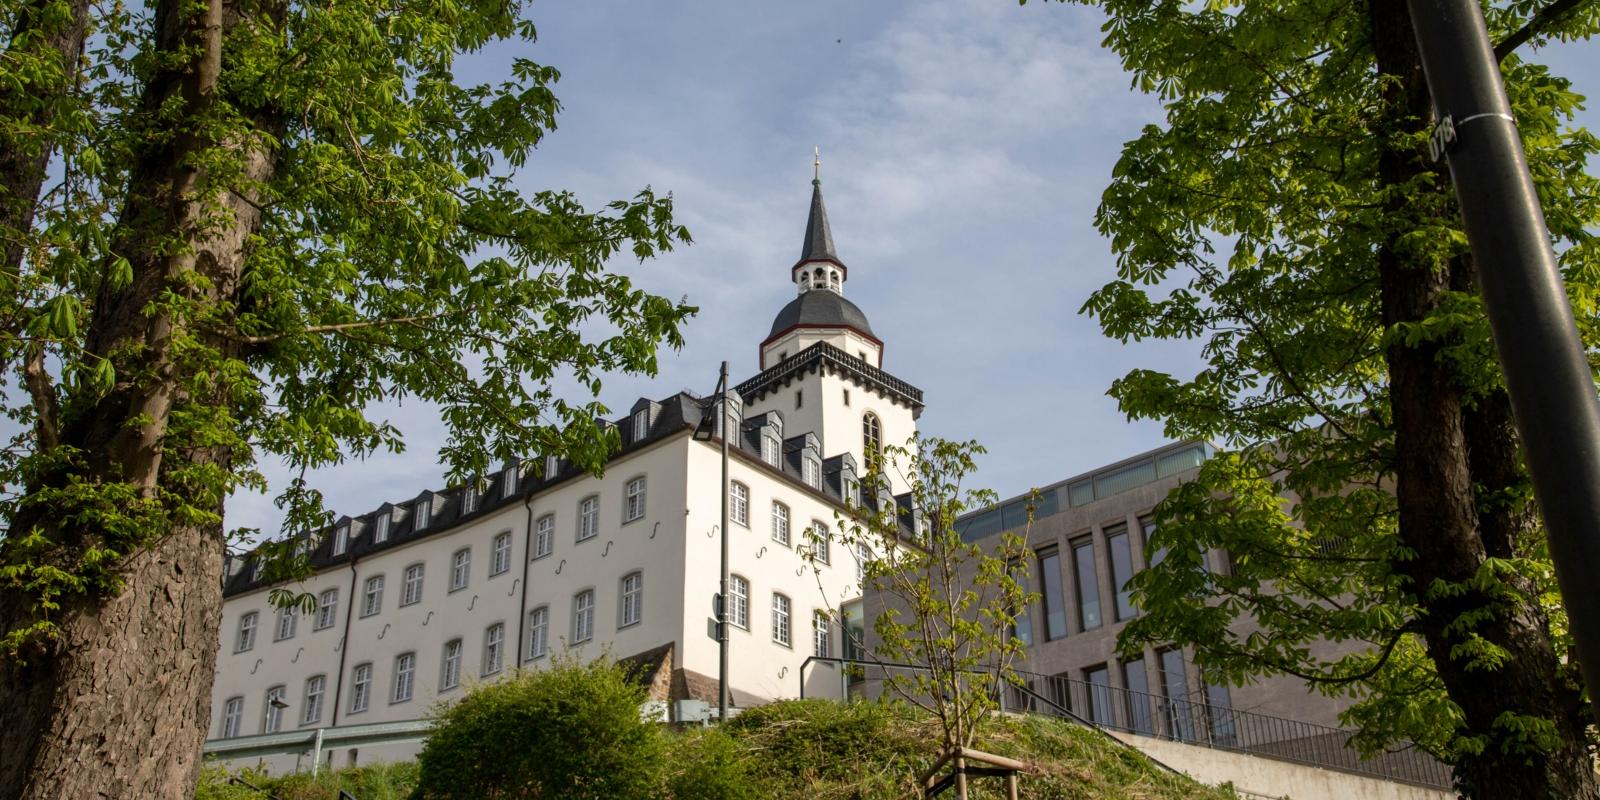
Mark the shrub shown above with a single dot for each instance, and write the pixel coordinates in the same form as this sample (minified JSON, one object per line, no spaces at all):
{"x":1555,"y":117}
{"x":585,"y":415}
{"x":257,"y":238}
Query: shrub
{"x":711,"y":766}
{"x":570,"y":732}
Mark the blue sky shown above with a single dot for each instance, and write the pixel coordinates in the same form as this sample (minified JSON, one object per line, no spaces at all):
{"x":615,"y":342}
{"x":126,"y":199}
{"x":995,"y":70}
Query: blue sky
{"x":965,"y":144}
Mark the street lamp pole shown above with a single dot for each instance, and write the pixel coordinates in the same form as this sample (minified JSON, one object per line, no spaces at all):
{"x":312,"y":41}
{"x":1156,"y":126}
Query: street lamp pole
{"x":1548,"y":376}
{"x":722,"y":606}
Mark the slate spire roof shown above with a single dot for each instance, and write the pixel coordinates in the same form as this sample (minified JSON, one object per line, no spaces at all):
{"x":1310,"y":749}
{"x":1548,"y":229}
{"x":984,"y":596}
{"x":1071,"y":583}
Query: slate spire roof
{"x":819,"y":237}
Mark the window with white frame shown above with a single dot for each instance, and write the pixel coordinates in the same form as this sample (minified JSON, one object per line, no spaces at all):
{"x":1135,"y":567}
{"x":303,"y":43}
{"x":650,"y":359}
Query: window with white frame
{"x":460,"y":569}
{"x":247,"y":633}
{"x":863,"y":558}
{"x":821,"y":635}
{"x":469,"y":497}
{"x":381,"y":533}
{"x":552,"y":466}
{"x":780,"y":619}
{"x":538,"y":632}
{"x":588,"y":518}
{"x":633,"y":500}
{"x":739,"y":601}
{"x":232,"y":714}
{"x":583,"y":616}
{"x":411,"y":585}
{"x":327,"y":609}
{"x":494,"y":648}
{"x":286,"y":621}
{"x":544,"y":536}
{"x":771,"y":449}
{"x":508,"y":480}
{"x":272,"y":711}
{"x":819,"y":542}
{"x":739,"y":503}
{"x":424,"y":512}
{"x":500,"y":554}
{"x":341,"y":540}
{"x":311,"y":714}
{"x":450,"y":673}
{"x":405,"y":675}
{"x":632,"y":598}
{"x":813,"y":472}
{"x":871,"y":433}
{"x":372,"y":598}
{"x":641,"y":424}
{"x":360,"y":688}
{"x":780,"y":523}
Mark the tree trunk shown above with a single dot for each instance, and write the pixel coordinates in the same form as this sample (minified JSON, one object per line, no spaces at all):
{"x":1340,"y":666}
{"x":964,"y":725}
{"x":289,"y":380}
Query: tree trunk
{"x":1442,"y":448}
{"x":118,"y":704}
{"x":22,"y":163}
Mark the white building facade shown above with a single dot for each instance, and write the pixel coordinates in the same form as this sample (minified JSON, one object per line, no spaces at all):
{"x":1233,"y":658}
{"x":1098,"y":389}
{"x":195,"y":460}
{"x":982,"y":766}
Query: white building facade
{"x":422,"y":597}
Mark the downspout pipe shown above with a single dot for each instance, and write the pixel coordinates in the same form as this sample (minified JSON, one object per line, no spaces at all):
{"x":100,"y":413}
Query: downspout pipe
{"x":344,"y":642}
{"x":527,"y":560}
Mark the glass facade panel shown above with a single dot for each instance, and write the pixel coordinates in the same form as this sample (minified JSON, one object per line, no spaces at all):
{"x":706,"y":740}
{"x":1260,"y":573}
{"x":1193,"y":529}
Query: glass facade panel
{"x":1121,"y":570}
{"x":1055,"y":603}
{"x":1080,"y":493}
{"x":1099,"y":680}
{"x":1014,"y":515}
{"x":1219,"y":715}
{"x":1175,"y":685}
{"x":1088,"y":585}
{"x":1174,"y":463}
{"x":1124,"y":479}
{"x":1138,"y":685}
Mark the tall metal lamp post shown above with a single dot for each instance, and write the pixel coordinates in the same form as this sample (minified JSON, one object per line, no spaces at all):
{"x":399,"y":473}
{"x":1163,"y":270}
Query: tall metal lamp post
{"x":704,"y":431}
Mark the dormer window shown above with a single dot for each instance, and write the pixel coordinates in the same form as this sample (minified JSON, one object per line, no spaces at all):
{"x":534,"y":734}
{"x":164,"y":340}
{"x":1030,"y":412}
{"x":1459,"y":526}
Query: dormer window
{"x":469,"y":501}
{"x":424,"y":510}
{"x":776,"y":421}
{"x":812,"y":472}
{"x":341,"y":540}
{"x":382,"y":533}
{"x":302,"y":546}
{"x":551,"y":466}
{"x":508,"y":480}
{"x":641,"y":424}
{"x":771,"y":448}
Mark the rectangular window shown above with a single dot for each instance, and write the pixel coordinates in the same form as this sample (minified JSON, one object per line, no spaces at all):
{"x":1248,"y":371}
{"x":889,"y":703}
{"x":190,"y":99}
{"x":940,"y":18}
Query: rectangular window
{"x":538,"y":632}
{"x":739,"y":503}
{"x":1175,"y":685}
{"x":382,"y":532}
{"x":1055,"y":603}
{"x":286,"y":620}
{"x":1099,"y":680}
{"x":821,"y":635}
{"x":632,"y":598}
{"x":327,"y":609}
{"x":424,"y":512}
{"x":770,"y":450}
{"x":313,"y":705}
{"x":863,"y":558}
{"x":588,"y":518}
{"x":460,"y":569}
{"x":1139,"y":706}
{"x":500,"y":556}
{"x":272,"y":711}
{"x":820,"y":543}
{"x":739,"y":602}
{"x":411,"y":587}
{"x":247,"y":633}
{"x":341,"y":540}
{"x":780,"y":619}
{"x":494,"y":645}
{"x":633,"y":500}
{"x":552,"y":467}
{"x":360,"y":688}
{"x":641,"y":424}
{"x":853,"y":631}
{"x":469,"y":498}
{"x":583,"y":617}
{"x":799,"y":399}
{"x":780,"y":523}
{"x":1022,"y":623}
{"x":450,"y":674}
{"x":1088,"y":584}
{"x":508,"y":480}
{"x":405,"y":673}
{"x":372,"y":599}
{"x":544,"y":536}
{"x":813,"y":473}
{"x":1121,"y":570}
{"x":1219,"y":715}
{"x":232,"y":713}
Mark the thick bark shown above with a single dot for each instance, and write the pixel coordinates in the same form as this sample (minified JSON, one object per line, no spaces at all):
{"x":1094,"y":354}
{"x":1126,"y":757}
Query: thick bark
{"x":118,"y":705}
{"x":1442,"y":447}
{"x":22,"y":163}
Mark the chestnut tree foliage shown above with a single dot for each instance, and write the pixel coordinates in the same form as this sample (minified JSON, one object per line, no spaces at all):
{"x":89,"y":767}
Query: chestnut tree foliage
{"x":230,"y":228}
{"x":1286,"y":217}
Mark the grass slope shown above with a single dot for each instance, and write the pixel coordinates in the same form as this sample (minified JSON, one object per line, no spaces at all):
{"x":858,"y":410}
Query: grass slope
{"x":821,"y":750}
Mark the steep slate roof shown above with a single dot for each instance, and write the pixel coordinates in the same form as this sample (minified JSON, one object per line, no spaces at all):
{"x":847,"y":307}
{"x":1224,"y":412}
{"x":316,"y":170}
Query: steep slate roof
{"x":818,"y":245}
{"x":820,"y":308}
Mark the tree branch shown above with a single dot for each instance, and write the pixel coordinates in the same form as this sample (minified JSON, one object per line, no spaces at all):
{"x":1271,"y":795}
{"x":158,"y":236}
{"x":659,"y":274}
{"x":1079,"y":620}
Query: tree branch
{"x":46,"y":420}
{"x":348,"y":326}
{"x":1547,"y":16}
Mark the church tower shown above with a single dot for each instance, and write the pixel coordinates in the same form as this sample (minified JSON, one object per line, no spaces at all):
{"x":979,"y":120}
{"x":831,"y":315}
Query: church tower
{"x":822,"y":389}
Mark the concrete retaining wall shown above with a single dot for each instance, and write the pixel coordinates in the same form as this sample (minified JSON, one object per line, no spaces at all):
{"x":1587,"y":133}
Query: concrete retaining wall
{"x":1265,"y":777}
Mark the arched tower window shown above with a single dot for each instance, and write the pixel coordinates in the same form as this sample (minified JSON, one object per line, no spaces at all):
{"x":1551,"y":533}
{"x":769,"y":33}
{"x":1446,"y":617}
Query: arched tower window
{"x":871,"y":433}
{"x":833,"y":279}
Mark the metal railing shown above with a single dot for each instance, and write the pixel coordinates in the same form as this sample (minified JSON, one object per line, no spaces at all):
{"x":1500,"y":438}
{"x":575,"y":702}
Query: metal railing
{"x":315,"y":740}
{"x":1193,"y":720}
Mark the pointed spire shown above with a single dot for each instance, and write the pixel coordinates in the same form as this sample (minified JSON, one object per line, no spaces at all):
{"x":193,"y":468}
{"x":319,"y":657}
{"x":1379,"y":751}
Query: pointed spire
{"x":819,"y":237}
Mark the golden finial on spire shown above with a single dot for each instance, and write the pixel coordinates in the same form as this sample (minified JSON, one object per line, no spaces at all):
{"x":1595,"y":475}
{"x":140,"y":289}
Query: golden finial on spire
{"x":816,"y":165}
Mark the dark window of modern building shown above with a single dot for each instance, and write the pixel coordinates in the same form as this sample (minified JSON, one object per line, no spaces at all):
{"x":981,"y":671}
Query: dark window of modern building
{"x":1099,"y":680}
{"x":1055,"y":604}
{"x":1088,"y":584}
{"x":1121,"y":569}
{"x":1139,"y":705}
{"x":1175,"y":685}
{"x":1219,"y":715}
{"x":1022,"y":626}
